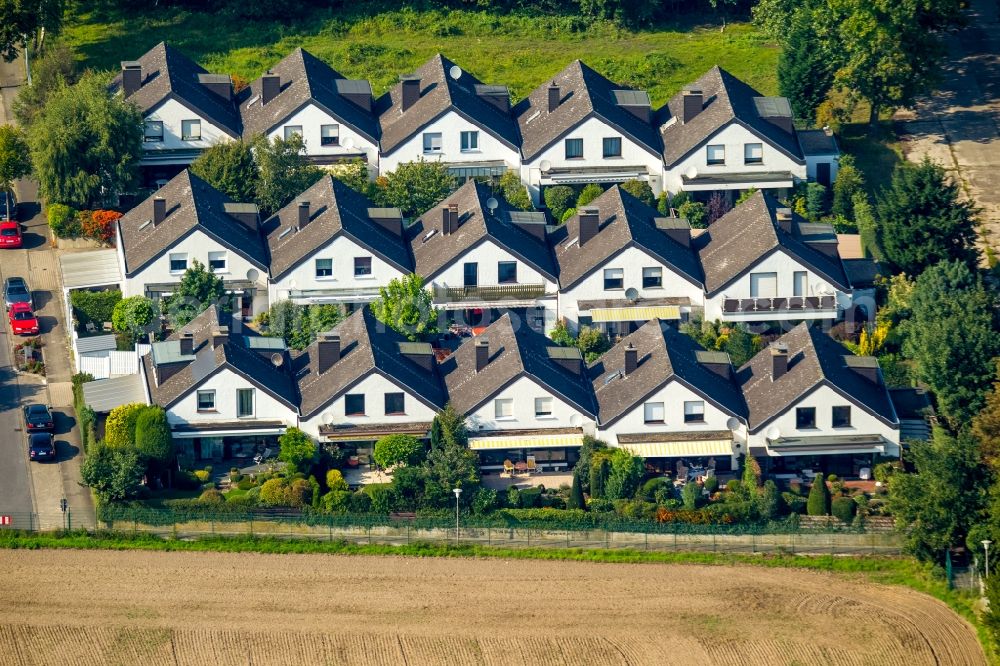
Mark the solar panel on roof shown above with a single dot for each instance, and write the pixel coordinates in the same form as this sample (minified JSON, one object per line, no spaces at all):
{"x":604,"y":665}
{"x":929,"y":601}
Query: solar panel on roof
{"x":527,"y":217}
{"x":773,"y":107}
{"x":631,"y":97}
{"x":353,"y":87}
{"x":564,"y":352}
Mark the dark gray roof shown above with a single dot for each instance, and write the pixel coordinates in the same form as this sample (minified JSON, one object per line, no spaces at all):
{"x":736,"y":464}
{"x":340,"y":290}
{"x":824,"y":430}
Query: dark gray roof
{"x":439,"y":93}
{"x":476,"y":224}
{"x":664,"y":355}
{"x":726,"y":100}
{"x":817,"y":142}
{"x":584,"y":93}
{"x":367,"y":346}
{"x":513,"y":353}
{"x":207,"y":360}
{"x":166,"y":72}
{"x":335,"y":209}
{"x":624,"y":221}
{"x":191,"y":204}
{"x":813,"y":359}
{"x":737,"y":241}
{"x":861,"y":272}
{"x":304,"y":78}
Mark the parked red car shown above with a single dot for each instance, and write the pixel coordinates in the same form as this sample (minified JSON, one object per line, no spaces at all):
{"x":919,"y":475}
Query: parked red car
{"x":22,"y":319}
{"x":10,"y":234}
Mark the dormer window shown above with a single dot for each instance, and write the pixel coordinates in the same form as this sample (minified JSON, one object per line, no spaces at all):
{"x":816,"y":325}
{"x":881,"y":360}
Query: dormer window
{"x":329,"y":135}
{"x":153,"y":131}
{"x":190,"y":130}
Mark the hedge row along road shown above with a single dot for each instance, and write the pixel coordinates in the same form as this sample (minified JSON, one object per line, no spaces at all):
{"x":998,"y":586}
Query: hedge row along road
{"x":97,"y":607}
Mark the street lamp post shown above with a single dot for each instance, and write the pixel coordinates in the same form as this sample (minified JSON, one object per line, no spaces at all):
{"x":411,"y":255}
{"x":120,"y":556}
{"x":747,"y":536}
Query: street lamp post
{"x":986,"y":547}
{"x":457,"y":491}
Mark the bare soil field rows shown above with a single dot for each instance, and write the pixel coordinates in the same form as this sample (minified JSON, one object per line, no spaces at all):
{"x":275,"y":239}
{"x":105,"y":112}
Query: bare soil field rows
{"x":105,"y":607}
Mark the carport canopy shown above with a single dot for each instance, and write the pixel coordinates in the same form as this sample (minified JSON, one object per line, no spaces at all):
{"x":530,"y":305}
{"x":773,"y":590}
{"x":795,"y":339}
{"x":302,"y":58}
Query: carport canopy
{"x":97,"y":268}
{"x":103,"y":395}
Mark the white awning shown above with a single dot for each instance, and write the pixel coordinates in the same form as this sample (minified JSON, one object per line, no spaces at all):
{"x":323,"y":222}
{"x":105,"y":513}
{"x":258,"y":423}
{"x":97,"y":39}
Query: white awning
{"x":104,"y":395}
{"x":222,"y":432}
{"x":711,"y":447}
{"x":525,"y":442}
{"x":581,"y":178}
{"x":96,"y":268}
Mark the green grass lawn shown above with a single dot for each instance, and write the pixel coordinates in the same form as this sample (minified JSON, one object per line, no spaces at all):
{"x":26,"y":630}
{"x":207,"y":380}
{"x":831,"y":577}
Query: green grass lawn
{"x":518,"y":50}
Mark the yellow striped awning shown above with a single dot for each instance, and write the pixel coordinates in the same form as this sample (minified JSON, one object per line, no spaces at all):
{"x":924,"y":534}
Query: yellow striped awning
{"x":717,"y":447}
{"x":525,"y":442}
{"x":636,"y":313}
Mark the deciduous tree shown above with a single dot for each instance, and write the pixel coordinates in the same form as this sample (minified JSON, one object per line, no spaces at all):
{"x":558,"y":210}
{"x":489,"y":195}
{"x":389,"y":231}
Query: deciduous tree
{"x":230,"y":167}
{"x":119,"y":427}
{"x":21,"y":21}
{"x":199,"y":288}
{"x":152,"y":435}
{"x":393,"y":450}
{"x":558,"y":199}
{"x":406,"y":307}
{"x":415,"y":187}
{"x":133,"y":315}
{"x":284,"y":171}
{"x":297,"y":449}
{"x":14,"y":161}
{"x":114,"y":474}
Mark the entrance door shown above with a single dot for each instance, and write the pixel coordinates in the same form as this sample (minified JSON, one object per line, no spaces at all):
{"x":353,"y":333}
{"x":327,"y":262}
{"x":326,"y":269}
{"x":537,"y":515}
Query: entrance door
{"x":471,"y":274}
{"x":823,"y":173}
{"x":246,"y":304}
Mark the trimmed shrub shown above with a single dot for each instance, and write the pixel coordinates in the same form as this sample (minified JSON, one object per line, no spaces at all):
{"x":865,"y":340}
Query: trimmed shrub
{"x":359,"y":502}
{"x":211,"y":496}
{"x":94,"y":306}
{"x":600,"y":505}
{"x":711,"y":484}
{"x":843,"y":508}
{"x":691,"y":495}
{"x":530,"y":497}
{"x":393,"y":450}
{"x":119,"y":427}
{"x":732,"y":485}
{"x":794,"y":502}
{"x":588,"y":194}
{"x":335,"y":481}
{"x":818,"y":503}
{"x":336,"y":501}
{"x":558,"y":199}
{"x":63,"y":221}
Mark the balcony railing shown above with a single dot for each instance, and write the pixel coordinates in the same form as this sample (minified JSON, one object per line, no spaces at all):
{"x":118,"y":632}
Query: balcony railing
{"x":790,"y":305}
{"x":492,"y":292}
{"x":335,"y":294}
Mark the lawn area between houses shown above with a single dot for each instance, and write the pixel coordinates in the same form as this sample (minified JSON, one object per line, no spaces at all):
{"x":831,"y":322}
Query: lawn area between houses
{"x":518,"y":49}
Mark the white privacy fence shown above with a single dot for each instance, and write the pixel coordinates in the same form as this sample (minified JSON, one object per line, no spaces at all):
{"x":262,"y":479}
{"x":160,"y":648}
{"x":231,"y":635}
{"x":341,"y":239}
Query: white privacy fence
{"x":115,"y":364}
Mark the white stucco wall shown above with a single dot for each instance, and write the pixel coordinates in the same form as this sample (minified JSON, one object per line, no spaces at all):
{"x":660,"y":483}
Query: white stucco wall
{"x":374,"y":387}
{"x":734,"y":137}
{"x":343,"y":251}
{"x":632,"y":260}
{"x":311,"y":118}
{"x":593,"y":131}
{"x":488,"y":255}
{"x":523,"y":392}
{"x":813,"y":160}
{"x":451,"y":125}
{"x":225,"y":383}
{"x":171,"y":113}
{"x":672,"y":395}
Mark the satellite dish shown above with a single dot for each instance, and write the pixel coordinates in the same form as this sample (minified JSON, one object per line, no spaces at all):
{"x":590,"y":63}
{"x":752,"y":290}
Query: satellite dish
{"x":277,"y":359}
{"x":252,"y":274}
{"x":492,"y":204}
{"x":692,"y":173}
{"x":733,"y":423}
{"x":348,"y":142}
{"x":328,"y":417}
{"x":773,"y":433}
{"x":575,"y":420}
{"x":455,"y":72}
{"x":545,"y":165}
{"x":632,"y":294}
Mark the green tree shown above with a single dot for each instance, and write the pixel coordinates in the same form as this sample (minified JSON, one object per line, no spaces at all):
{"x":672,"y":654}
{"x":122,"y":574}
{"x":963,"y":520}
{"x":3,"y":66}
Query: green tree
{"x":415,"y":187}
{"x":406,"y":307}
{"x":300,"y":325}
{"x":559,"y":199}
{"x":588,"y":194}
{"x":514,"y":191}
{"x":133,"y":315}
{"x":590,"y":446}
{"x":864,"y":217}
{"x":600,"y":470}
{"x":818,"y":503}
{"x":740,"y":345}
{"x":991,"y":616}
{"x":641,"y":190}
{"x":451,"y":466}
{"x":393,"y":450}
{"x":922,"y":219}
{"x":297,"y":449}
{"x":849,"y":184}
{"x":767,"y":502}
{"x":55,"y":68}
{"x":592,"y":343}
{"x":986,"y":428}
{"x":199,"y":288}
{"x":230,"y":167}
{"x":751,"y":475}
{"x":694,"y":212}
{"x":936,"y":505}
{"x":114,"y":474}
{"x":626,"y":474}
{"x":437,"y":433}
{"x":119,"y":427}
{"x":806,"y":66}
{"x":24,"y":20}
{"x":576,"y":500}
{"x":14,"y":162}
{"x":452,"y":424}
{"x":816,"y":201}
{"x":284,"y":171}
{"x":952,"y":339}
{"x":335,"y":481}
{"x":86,"y":144}
{"x":152,"y":435}
{"x":690,"y":495}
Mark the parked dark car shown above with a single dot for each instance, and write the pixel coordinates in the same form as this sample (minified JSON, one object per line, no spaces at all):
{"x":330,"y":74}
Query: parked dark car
{"x":37,"y":418}
{"x":3,"y":207}
{"x":41,"y":446}
{"x":15,"y":290}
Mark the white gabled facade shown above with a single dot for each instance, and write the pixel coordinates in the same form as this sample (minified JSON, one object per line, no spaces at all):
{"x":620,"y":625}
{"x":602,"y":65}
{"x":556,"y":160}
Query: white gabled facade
{"x":312,"y":120}
{"x":673,"y":395}
{"x":522,"y":394}
{"x":225,"y":383}
{"x":446,"y":132}
{"x":175,"y":117}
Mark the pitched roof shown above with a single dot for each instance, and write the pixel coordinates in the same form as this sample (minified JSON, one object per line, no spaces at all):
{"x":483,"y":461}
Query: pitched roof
{"x":191,"y":204}
{"x":433,"y":250}
{"x":165,"y":72}
{"x":737,"y":241}
{"x":208,"y":359}
{"x":512,"y":353}
{"x":335,"y":209}
{"x":303,"y":78}
{"x":624,"y":221}
{"x":726,"y":99}
{"x":366,"y":346}
{"x":813,"y":359}
{"x":583,"y":92}
{"x":439,"y":92}
{"x":664,"y":355}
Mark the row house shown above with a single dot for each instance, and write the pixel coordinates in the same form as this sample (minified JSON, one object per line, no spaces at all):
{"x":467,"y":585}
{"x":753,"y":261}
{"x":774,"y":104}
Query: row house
{"x":578,"y":127}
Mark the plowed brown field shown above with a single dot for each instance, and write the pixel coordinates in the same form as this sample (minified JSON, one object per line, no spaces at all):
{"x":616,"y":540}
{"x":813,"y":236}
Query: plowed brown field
{"x":102,"y":607}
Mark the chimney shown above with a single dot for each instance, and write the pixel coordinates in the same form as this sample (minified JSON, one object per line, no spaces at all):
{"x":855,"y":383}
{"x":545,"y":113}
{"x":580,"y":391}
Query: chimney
{"x":327,"y":351}
{"x":631,"y":359}
{"x":866,"y":366}
{"x":220,"y":336}
{"x":131,"y":77}
{"x":410,"y":86}
{"x":446,"y":220}
{"x":187,"y":344}
{"x":303,"y":219}
{"x":390,"y":219}
{"x":553,"y":97}
{"x":270,"y":86}
{"x":779,"y":360}
{"x":420,"y":353}
{"x":244,"y":213}
{"x":453,"y":213}
{"x":784,"y":218}
{"x":217,"y":84}
{"x":693,"y":103}
{"x":482,"y":353}
{"x":159,"y":210}
{"x":588,"y":224}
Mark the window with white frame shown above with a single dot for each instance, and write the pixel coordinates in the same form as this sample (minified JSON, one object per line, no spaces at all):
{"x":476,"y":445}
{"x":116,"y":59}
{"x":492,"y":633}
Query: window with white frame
{"x":191,"y":130}
{"x":324,"y":268}
{"x":329,"y":135}
{"x":244,"y":402}
{"x":652,"y":412}
{"x":292,"y":130}
{"x":503,"y":408}
{"x":612,"y":146}
{"x":206,"y":401}
{"x":716,"y":154}
{"x":574,"y":149}
{"x":178,"y":262}
{"x":652,"y":277}
{"x":217,"y":262}
{"x":153,"y":130}
{"x":694,"y":411}
{"x":614,"y":278}
{"x":753,"y":153}
{"x":470,"y":142}
{"x":432,"y":142}
{"x":543,"y":406}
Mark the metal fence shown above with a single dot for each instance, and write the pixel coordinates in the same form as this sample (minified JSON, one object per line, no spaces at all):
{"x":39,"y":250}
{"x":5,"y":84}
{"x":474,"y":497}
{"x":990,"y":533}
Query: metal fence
{"x":773,"y":538}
